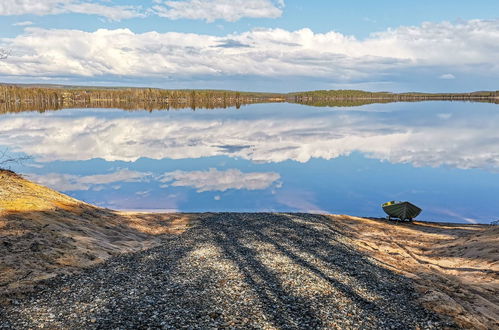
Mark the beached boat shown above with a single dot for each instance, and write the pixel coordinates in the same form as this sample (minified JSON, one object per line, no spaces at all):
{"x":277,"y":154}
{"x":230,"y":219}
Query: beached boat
{"x":401,"y":210}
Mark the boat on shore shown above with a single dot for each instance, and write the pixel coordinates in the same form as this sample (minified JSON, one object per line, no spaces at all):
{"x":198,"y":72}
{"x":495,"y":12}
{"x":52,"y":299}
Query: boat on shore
{"x":401,"y":210}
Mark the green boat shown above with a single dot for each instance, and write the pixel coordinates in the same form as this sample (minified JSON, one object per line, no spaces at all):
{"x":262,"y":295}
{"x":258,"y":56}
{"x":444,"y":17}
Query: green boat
{"x":401,"y":210}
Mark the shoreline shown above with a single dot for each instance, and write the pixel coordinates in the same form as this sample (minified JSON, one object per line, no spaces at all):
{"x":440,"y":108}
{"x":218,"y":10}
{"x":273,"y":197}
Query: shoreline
{"x":17,"y":98}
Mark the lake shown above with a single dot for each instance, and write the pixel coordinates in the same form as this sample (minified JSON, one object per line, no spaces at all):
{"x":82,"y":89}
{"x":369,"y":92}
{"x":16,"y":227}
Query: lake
{"x":442,"y":156}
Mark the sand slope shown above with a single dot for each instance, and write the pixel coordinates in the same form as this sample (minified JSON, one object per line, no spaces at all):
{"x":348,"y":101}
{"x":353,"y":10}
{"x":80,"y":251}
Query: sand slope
{"x":44,"y":233}
{"x":456,"y":267}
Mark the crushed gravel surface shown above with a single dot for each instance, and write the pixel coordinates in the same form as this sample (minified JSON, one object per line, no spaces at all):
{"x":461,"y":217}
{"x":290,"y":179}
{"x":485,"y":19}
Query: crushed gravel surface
{"x":261,"y":271}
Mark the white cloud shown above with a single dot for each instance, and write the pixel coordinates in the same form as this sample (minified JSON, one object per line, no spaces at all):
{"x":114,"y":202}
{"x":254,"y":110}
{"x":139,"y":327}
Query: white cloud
{"x":453,"y":214}
{"x":58,"y":181}
{"x":261,"y":52}
{"x":459,"y":141}
{"x":144,"y":193}
{"x":24,"y":23}
{"x":447,"y":76}
{"x":69,"y":182}
{"x":301,"y":200}
{"x":114,"y":13}
{"x":54,"y":7}
{"x":444,"y":116}
{"x":214,"y":180}
{"x":211,"y":10}
{"x":123,"y":175}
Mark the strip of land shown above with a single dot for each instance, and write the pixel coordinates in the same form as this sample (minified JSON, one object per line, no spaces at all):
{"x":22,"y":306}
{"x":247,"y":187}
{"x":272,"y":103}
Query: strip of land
{"x":17,"y":98}
{"x":65,"y":263}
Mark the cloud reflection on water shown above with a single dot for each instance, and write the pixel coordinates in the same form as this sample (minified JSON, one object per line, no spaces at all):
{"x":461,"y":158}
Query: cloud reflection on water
{"x":69,"y":182}
{"x":270,"y":157}
{"x":453,"y":139}
{"x":214,"y":180}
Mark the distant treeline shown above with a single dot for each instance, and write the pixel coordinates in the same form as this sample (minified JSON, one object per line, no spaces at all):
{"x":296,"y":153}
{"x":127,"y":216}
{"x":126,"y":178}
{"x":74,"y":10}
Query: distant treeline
{"x":20,"y":98}
{"x":129,"y":106}
{"x":17,"y":98}
{"x":352,"y":93}
{"x":353,"y":98}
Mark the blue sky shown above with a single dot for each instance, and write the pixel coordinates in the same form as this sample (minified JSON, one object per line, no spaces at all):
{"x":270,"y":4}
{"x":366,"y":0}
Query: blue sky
{"x":276,"y":45}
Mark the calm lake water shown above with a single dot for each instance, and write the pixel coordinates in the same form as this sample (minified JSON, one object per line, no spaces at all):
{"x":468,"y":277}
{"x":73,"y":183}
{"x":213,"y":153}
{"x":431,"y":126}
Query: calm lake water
{"x":442,"y":156}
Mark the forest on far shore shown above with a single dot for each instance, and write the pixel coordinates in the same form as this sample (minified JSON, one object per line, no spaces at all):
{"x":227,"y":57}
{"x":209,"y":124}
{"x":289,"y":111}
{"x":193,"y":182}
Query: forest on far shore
{"x":16,"y":98}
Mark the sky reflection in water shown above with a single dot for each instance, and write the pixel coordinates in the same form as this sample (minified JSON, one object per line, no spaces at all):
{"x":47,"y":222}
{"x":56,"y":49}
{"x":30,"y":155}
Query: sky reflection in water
{"x":443,"y":156}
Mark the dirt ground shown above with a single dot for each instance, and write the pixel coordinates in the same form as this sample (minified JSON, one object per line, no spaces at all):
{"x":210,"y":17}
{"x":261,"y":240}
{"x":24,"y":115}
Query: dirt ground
{"x":44,"y":233}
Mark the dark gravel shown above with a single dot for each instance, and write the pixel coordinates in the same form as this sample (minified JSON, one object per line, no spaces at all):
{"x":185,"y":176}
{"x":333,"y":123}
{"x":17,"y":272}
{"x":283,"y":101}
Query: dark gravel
{"x":231,"y":271}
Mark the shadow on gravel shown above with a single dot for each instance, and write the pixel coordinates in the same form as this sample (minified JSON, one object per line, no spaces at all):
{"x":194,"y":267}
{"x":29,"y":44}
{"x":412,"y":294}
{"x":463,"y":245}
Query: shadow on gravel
{"x":47,"y":242}
{"x":240,"y":270}
{"x":124,"y":291}
{"x":283,"y":308}
{"x":313,"y":245}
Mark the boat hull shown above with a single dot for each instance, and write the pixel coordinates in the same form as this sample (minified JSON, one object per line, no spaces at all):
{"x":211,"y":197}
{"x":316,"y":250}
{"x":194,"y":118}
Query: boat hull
{"x":402,"y":211}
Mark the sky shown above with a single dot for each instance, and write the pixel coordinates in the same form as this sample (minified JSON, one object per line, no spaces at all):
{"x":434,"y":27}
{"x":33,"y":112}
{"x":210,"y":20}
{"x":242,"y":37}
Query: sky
{"x":254,"y":45}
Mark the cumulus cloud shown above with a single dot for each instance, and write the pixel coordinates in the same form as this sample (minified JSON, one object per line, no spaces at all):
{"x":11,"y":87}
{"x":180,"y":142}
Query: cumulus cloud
{"x":260,"y":52}
{"x":54,"y":7}
{"x":69,"y":182}
{"x":453,"y":139}
{"x":211,"y":10}
{"x":215,"y":180}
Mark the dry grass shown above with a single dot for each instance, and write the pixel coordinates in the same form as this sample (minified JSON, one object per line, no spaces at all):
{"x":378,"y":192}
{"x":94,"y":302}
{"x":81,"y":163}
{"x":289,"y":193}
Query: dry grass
{"x":19,"y":195}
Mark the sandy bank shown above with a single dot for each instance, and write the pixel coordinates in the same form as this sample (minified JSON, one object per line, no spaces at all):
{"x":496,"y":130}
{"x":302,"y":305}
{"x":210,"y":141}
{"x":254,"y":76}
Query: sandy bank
{"x":44,"y":233}
{"x":455,"y":266}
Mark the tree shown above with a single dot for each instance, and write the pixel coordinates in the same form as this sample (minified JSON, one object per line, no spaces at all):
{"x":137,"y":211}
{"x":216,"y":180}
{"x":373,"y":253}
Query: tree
{"x":6,"y":159}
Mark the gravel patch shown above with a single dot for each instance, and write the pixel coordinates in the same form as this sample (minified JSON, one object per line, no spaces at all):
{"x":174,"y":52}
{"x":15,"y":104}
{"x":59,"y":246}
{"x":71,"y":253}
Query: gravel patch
{"x":262,"y":271}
